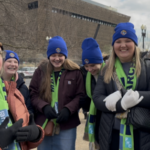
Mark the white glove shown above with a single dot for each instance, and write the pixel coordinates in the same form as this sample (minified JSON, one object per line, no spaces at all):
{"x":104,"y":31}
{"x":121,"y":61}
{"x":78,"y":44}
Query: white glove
{"x":112,"y":99}
{"x":130,"y":99}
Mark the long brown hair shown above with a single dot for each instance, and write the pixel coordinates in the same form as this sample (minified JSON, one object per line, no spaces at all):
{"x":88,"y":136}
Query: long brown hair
{"x":47,"y":69}
{"x":111,"y":63}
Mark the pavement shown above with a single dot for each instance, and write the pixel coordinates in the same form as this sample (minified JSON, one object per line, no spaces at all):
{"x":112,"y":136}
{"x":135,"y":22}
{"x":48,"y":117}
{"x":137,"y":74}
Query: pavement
{"x":27,"y":81}
{"x":80,"y":143}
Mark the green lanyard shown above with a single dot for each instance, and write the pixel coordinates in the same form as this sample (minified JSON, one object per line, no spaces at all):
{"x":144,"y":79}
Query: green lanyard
{"x":55,"y":87}
{"x":54,"y":90}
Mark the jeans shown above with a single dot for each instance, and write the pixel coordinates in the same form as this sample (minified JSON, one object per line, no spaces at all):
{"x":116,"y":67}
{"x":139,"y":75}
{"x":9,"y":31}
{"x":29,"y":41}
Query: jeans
{"x":65,"y":140}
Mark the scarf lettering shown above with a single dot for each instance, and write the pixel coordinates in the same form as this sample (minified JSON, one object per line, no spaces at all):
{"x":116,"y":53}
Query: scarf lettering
{"x":123,"y":81}
{"x":129,"y":82}
{"x":54,"y":90}
{"x":131,"y":73}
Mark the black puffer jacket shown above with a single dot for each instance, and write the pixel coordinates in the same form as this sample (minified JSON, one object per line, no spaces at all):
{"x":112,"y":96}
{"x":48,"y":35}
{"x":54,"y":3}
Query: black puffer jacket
{"x":102,"y":90}
{"x":88,"y":101}
{"x":25,"y":92}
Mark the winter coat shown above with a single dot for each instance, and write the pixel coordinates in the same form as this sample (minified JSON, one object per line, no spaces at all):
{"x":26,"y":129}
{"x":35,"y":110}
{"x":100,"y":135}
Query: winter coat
{"x":24,"y":91}
{"x":71,"y":89}
{"x":102,"y":90}
{"x":19,"y":110}
{"x":88,"y":102}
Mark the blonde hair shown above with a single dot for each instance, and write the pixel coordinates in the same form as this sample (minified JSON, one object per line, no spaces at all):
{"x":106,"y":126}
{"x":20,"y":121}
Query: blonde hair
{"x":47,"y":69}
{"x":2,"y":55}
{"x":111,"y":63}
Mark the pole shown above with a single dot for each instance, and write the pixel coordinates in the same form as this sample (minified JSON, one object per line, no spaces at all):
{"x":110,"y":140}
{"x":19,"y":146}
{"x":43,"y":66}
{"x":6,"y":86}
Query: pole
{"x":97,"y":29}
{"x":143,"y":42}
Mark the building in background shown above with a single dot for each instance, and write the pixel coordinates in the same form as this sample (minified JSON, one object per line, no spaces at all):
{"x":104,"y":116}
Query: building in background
{"x":26,"y":24}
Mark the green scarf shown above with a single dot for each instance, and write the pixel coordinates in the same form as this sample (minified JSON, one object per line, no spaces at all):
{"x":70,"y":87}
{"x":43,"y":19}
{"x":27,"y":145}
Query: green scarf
{"x":90,"y":124}
{"x":128,"y":82}
{"x":54,"y":90}
{"x":4,"y":113}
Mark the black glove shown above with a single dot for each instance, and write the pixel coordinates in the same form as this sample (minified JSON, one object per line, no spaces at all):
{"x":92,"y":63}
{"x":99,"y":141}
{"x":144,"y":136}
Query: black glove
{"x":49,"y":112}
{"x":63,"y":116}
{"x":29,"y":133}
{"x":85,"y":103}
{"x":7,"y":136}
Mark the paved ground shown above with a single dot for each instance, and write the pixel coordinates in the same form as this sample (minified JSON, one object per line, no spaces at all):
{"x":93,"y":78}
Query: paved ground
{"x":27,"y":81}
{"x":80,"y":143}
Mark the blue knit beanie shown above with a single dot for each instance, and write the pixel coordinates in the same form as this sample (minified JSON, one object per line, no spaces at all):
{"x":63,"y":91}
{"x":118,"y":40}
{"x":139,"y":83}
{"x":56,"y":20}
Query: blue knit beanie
{"x":57,"y":45}
{"x":11,"y":54}
{"x":125,"y":30}
{"x":91,"y":53}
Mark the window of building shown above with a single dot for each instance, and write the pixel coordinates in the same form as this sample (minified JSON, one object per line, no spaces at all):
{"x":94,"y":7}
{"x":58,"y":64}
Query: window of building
{"x":85,"y":18}
{"x":33,"y":5}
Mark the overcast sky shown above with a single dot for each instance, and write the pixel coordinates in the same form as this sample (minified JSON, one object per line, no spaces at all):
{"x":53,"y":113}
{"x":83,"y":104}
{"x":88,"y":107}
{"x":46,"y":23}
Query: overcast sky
{"x":138,"y":10}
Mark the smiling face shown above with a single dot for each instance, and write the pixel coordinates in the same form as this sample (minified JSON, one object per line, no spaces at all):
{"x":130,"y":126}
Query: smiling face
{"x":10,"y":66}
{"x":57,"y":60}
{"x":124,"y":48}
{"x":93,"y":68}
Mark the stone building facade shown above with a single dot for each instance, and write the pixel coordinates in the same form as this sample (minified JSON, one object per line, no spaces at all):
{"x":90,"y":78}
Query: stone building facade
{"x":27,"y":23}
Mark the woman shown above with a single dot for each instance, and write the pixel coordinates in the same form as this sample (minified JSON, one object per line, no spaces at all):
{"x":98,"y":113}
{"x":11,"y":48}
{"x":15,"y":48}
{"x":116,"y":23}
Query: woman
{"x":21,"y":132}
{"x":10,"y":68}
{"x":93,"y":62}
{"x":122,"y":86}
{"x":56,"y":87}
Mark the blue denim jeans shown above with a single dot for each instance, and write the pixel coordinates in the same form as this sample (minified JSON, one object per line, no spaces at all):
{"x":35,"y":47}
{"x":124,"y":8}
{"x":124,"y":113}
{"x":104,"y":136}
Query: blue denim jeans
{"x":65,"y":140}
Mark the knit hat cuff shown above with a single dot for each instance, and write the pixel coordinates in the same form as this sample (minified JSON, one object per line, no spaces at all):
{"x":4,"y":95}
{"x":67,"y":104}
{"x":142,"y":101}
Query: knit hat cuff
{"x":92,"y":61}
{"x":65,"y":54}
{"x":57,"y":45}
{"x":11,"y":54}
{"x":125,"y":34}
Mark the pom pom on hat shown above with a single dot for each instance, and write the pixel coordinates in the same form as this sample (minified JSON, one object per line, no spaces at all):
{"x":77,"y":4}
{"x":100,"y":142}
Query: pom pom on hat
{"x":91,"y":53}
{"x":125,"y":30}
{"x":57,"y":45}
